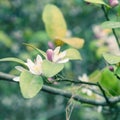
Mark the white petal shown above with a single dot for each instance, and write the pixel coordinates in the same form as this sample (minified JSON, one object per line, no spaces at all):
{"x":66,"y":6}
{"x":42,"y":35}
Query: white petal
{"x":63,"y":61}
{"x":57,"y":49}
{"x":62,"y":54}
{"x":19,"y":68}
{"x":38,"y":59}
{"x":17,"y":79}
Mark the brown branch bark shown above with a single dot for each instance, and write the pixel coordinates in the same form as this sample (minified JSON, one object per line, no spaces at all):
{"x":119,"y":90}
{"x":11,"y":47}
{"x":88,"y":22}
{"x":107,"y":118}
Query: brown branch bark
{"x":56,"y":91}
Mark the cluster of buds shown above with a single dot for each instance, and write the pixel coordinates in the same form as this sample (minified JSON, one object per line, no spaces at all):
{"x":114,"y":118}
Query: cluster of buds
{"x":113,"y":3}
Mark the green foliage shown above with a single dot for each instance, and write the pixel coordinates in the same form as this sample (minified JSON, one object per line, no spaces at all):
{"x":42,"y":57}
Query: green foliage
{"x":73,"y":54}
{"x":54,"y":22}
{"x":110,"y":24}
{"x":110,"y":82}
{"x":11,"y":59}
{"x":111,"y":59}
{"x":30,"y":84}
{"x":50,"y":69}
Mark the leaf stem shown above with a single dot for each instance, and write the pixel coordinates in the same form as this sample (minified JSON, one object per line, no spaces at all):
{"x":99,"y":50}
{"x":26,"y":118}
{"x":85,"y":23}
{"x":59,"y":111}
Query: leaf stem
{"x":113,"y":30}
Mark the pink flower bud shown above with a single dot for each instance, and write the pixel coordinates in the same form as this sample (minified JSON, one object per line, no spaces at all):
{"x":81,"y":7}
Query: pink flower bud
{"x":113,"y":3}
{"x":50,"y":53}
{"x":51,"y":45}
{"x":111,"y":68}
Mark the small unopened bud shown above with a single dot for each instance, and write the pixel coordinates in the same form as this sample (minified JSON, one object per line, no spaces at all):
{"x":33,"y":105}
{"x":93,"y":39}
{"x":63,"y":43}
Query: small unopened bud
{"x":50,"y":54}
{"x":51,"y":45}
{"x":113,"y":3}
{"x":111,"y":68}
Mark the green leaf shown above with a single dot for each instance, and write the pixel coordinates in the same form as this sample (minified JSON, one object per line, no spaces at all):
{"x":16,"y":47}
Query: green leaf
{"x":73,"y":54}
{"x":111,"y":24}
{"x":38,"y":50}
{"x":117,"y":71}
{"x":30,"y":84}
{"x":97,"y":2}
{"x":111,"y":59}
{"x":74,"y":42}
{"x":110,"y":82}
{"x":11,"y":59}
{"x":54,"y":21}
{"x":50,"y":69}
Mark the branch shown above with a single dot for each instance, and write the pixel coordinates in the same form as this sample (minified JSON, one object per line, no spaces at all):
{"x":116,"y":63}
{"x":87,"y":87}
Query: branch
{"x":56,"y":91}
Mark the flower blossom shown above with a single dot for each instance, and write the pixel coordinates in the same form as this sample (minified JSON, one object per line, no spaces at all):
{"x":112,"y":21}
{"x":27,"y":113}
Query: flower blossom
{"x":56,"y":56}
{"x":113,"y":3}
{"x":35,"y":67}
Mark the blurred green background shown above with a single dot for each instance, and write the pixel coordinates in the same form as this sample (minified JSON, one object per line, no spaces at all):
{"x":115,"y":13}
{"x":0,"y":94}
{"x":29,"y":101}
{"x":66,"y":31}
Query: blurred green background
{"x":21,"y":22}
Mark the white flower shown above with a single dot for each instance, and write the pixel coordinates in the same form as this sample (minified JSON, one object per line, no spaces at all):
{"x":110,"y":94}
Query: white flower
{"x":57,"y":56}
{"x":84,"y":77}
{"x":19,"y":68}
{"x":35,"y":67}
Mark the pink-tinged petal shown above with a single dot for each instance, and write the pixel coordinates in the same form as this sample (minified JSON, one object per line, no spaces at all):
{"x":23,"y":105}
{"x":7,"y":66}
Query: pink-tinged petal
{"x":51,"y":45}
{"x":113,"y":3}
{"x":29,"y":63}
{"x":50,"y":54}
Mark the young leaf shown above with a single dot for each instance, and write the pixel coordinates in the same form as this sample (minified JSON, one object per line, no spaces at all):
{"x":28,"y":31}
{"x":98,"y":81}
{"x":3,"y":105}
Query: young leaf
{"x":73,"y":54}
{"x":111,"y":59}
{"x":11,"y":59}
{"x":97,"y":2}
{"x":74,"y":42}
{"x":54,"y":21}
{"x":110,"y":82}
{"x":38,"y":50}
{"x":50,"y":69}
{"x":30,"y":84}
{"x":111,"y":24}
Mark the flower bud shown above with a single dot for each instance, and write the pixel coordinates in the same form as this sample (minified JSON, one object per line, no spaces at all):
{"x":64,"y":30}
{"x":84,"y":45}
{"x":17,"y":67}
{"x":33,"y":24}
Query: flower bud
{"x":50,"y":54}
{"x":113,"y":3}
{"x":111,"y":68}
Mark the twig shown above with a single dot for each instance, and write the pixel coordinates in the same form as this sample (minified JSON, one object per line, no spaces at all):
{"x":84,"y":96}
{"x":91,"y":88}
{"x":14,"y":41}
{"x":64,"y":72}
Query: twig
{"x":102,"y":90}
{"x":56,"y":91}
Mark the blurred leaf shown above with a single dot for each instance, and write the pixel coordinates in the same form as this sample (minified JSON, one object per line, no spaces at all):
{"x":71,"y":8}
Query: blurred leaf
{"x":30,"y":84}
{"x":11,"y":59}
{"x":38,"y":50}
{"x":109,"y":82}
{"x":73,"y":54}
{"x":5,"y":39}
{"x":111,"y":24}
{"x":111,"y":59}
{"x":74,"y":42}
{"x":117,"y":71}
{"x":97,"y":2}
{"x":54,"y":21}
{"x":50,"y":69}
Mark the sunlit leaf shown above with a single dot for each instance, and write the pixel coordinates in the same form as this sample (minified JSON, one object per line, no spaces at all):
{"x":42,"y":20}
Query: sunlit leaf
{"x":74,"y":42}
{"x":117,"y":72}
{"x":97,"y":2}
{"x":11,"y":59}
{"x":38,"y":50}
{"x":111,"y":59}
{"x":110,"y":82}
{"x":111,"y":24}
{"x":50,"y":69}
{"x":73,"y":54}
{"x":30,"y":84}
{"x":54,"y":21}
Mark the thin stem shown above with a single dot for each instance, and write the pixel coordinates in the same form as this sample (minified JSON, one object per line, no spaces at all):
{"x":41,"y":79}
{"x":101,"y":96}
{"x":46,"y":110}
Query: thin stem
{"x":103,"y":91}
{"x":113,"y":30}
